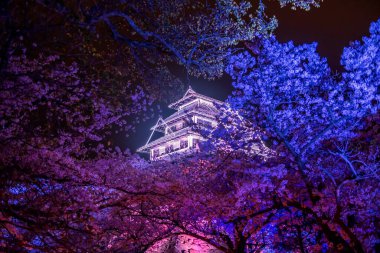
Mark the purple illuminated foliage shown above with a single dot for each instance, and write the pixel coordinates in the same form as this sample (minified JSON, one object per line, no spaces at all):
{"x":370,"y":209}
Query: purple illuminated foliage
{"x":54,"y":125}
{"x":293,"y":164}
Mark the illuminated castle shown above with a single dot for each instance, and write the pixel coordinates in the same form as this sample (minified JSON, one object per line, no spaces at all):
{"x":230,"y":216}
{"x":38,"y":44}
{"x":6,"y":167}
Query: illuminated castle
{"x":194,"y":110}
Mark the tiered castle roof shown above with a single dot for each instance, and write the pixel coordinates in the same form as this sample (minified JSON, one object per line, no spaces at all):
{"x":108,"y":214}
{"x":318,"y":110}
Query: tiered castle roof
{"x":192,"y":109}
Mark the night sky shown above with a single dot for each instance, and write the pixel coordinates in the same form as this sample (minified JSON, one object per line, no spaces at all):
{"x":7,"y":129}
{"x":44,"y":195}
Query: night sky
{"x":333,"y":26}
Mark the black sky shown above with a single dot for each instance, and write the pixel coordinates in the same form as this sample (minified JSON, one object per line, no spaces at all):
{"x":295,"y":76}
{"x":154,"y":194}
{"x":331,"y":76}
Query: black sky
{"x":334,"y":25}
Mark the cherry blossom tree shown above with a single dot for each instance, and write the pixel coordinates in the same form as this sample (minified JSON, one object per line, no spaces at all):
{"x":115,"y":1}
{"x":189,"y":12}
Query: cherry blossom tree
{"x":138,"y":41}
{"x":312,"y":118}
{"x":54,"y":122}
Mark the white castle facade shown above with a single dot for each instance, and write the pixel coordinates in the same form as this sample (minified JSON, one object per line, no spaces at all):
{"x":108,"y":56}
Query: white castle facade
{"x":193,"y":109}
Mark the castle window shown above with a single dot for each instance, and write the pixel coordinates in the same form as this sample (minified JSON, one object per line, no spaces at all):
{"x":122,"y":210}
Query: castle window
{"x":195,"y":143}
{"x":183,"y":144}
{"x":204,"y":123}
{"x":185,"y":124}
{"x":171,"y":129}
{"x":156,"y":153}
{"x":169,"y":149}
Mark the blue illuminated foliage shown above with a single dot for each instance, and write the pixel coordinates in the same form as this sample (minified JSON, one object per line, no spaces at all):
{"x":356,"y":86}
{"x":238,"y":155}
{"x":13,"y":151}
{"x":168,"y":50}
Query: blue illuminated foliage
{"x":289,"y":91}
{"x":361,"y":61}
{"x":312,"y":117}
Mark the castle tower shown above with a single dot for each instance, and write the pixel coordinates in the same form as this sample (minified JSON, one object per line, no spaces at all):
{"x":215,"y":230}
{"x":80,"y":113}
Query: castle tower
{"x":193,"y":109}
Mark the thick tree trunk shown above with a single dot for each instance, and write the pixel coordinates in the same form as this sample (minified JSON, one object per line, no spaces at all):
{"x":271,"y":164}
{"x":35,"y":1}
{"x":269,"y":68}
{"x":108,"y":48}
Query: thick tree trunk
{"x":340,"y":245}
{"x":240,"y":239}
{"x":240,"y":248}
{"x":355,"y":243}
{"x":300,"y":240}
